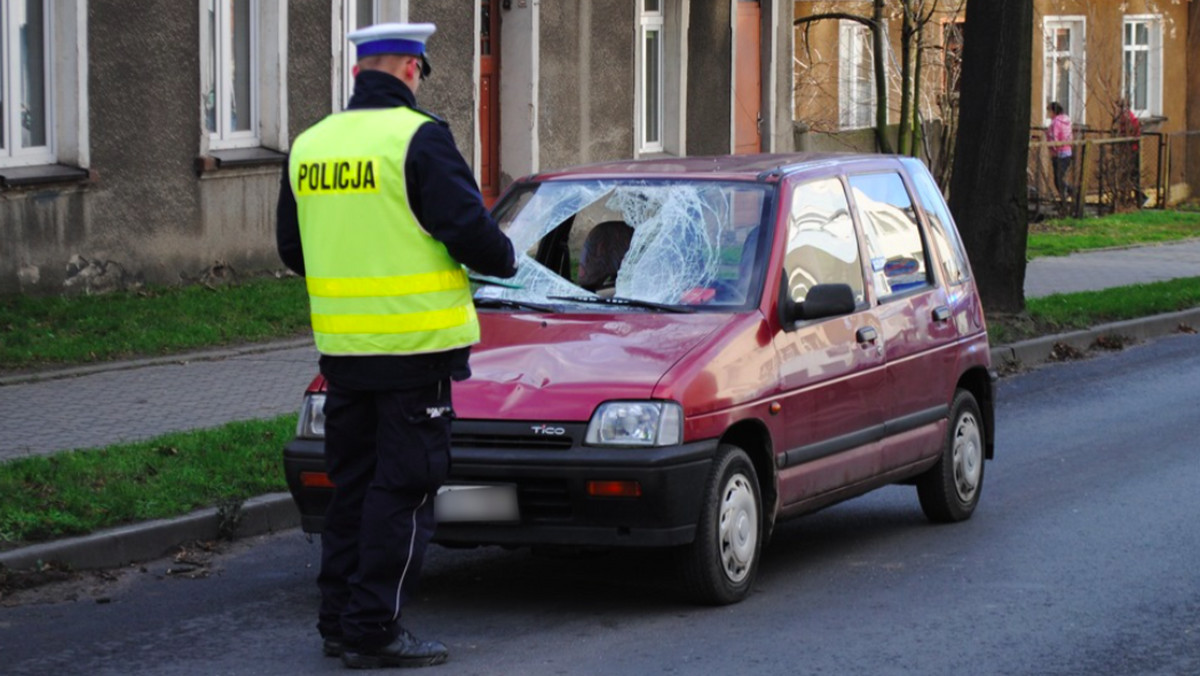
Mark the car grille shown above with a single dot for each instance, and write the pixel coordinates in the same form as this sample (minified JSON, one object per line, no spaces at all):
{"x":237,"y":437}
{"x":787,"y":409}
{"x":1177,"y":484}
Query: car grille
{"x":544,"y":500}
{"x":511,"y":441}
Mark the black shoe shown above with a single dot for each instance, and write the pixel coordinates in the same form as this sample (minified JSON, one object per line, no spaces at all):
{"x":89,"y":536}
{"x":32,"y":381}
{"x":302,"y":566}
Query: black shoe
{"x":405,"y":650}
{"x":332,"y":646}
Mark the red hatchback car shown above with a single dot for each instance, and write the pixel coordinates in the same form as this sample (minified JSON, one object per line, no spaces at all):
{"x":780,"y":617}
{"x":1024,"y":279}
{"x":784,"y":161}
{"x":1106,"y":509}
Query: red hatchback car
{"x":696,"y":348}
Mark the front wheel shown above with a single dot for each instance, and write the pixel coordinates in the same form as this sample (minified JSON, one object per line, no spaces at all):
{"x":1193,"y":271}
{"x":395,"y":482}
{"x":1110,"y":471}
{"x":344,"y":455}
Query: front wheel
{"x":949,"y":491}
{"x":720,"y":565}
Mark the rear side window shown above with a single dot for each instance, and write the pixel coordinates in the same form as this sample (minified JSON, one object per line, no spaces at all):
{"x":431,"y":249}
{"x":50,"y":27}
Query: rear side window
{"x":821,"y":245}
{"x":941,"y":227}
{"x":897,"y":251}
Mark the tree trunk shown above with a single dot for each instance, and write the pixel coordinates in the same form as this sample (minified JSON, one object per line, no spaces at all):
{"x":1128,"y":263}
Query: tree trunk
{"x":904,"y":136}
{"x":988,"y":190}
{"x":881,"y":93}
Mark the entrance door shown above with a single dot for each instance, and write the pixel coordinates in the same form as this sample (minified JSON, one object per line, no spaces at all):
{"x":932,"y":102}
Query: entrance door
{"x":747,"y":87}
{"x":489,"y":100}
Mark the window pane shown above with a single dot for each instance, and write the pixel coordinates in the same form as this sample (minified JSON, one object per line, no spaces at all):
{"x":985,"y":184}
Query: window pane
{"x":1062,"y":89}
{"x":653,"y":86}
{"x":1062,"y":40}
{"x":364,"y":13}
{"x":945,"y":240}
{"x":651,"y":5}
{"x":240,"y":111}
{"x":1141,"y":79}
{"x":821,"y":245}
{"x":208,"y":71}
{"x":1143,"y":34}
{"x":3,"y":80}
{"x":31,"y":24}
{"x":893,"y":237}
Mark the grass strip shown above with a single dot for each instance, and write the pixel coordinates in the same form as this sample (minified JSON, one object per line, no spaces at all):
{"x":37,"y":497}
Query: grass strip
{"x":41,"y":331}
{"x":1072,"y":311}
{"x":1061,"y":237}
{"x":81,"y":491}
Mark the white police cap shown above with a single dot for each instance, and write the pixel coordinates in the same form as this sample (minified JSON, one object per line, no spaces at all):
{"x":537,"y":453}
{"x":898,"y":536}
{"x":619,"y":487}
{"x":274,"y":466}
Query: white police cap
{"x":392,"y":38}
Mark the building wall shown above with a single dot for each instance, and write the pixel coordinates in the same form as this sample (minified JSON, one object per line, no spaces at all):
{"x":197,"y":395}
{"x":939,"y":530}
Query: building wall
{"x":450,"y":90}
{"x":817,"y":85}
{"x":1104,"y":23}
{"x":708,"y":85}
{"x":586,"y":102}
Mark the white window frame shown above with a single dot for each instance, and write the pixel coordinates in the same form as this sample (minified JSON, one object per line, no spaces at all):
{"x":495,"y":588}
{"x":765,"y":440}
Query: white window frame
{"x":1076,"y":54}
{"x":650,"y":140}
{"x":66,"y":88}
{"x":1153,"y":51}
{"x":11,"y":151}
{"x":268,"y":78}
{"x":345,"y":20}
{"x":854,"y":40}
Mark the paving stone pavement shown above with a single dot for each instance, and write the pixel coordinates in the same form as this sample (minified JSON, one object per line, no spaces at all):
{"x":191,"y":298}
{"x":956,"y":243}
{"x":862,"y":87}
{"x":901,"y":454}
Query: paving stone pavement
{"x":134,"y":401}
{"x":1111,"y":267}
{"x":129,"y":404}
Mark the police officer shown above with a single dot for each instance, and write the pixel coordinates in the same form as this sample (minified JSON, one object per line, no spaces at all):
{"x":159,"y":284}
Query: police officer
{"x":380,"y":212}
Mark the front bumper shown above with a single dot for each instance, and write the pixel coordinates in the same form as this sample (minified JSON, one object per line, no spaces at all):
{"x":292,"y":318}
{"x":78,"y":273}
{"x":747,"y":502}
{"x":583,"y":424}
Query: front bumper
{"x":551,"y":476}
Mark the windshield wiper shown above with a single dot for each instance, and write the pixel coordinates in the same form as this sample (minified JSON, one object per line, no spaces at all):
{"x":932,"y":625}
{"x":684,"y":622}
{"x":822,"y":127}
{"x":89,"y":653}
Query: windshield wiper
{"x":621,"y":300}
{"x":488,"y":301}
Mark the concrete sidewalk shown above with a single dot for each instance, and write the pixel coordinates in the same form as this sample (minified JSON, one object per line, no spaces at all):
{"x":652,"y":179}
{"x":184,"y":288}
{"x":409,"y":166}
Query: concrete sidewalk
{"x":101,"y":405}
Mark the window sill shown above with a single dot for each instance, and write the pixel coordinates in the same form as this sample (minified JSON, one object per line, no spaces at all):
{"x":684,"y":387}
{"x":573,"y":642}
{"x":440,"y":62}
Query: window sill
{"x":43,"y":174}
{"x":239,"y":158}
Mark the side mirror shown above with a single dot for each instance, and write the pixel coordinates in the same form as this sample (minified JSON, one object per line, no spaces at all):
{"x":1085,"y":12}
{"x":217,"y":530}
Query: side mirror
{"x":826,"y":300}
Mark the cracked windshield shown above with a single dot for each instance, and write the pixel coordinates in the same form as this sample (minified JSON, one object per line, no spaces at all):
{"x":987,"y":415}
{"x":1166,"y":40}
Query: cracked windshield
{"x":676,"y":246}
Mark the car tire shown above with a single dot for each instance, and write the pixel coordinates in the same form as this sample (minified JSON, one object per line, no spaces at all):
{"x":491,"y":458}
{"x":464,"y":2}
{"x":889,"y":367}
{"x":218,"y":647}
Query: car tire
{"x":949,"y":491}
{"x":720,"y":565}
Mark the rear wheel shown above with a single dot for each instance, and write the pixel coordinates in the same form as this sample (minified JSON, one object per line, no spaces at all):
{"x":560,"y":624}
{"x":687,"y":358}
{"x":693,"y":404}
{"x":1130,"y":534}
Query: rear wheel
{"x":949,"y":491}
{"x":720,"y":565}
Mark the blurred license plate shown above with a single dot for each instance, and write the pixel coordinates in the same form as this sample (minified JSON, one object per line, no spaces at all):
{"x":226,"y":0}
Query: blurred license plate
{"x":477,"y":503}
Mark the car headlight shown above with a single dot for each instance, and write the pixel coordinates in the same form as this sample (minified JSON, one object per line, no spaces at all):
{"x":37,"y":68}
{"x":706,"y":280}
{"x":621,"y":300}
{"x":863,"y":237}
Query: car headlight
{"x":312,"y":418}
{"x":636,"y":423}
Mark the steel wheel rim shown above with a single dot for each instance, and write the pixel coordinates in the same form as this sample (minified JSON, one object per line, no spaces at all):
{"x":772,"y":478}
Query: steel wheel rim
{"x":968,"y":457}
{"x":737,"y":530}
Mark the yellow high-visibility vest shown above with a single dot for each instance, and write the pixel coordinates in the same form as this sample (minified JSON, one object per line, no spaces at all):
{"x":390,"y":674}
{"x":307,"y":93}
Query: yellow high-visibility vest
{"x":378,"y":284}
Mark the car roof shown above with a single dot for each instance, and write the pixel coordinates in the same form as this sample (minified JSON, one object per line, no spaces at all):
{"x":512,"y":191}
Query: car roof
{"x":762,"y":167}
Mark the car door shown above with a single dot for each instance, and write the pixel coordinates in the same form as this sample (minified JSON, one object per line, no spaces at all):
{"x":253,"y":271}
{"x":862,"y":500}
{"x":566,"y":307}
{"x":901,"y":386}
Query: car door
{"x":831,"y":370}
{"x":914,"y":313}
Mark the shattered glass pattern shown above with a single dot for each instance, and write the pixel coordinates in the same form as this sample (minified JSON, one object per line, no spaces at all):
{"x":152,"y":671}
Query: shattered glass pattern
{"x":684,"y":248}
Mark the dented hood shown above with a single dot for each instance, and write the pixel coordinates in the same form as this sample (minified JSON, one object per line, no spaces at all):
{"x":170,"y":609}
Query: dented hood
{"x":559,"y":367}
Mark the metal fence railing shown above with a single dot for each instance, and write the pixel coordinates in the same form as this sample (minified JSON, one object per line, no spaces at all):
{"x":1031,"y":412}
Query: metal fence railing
{"x":1107,"y":173}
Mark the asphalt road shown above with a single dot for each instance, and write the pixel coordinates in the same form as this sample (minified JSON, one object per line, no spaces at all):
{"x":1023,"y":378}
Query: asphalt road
{"x":1080,"y":560}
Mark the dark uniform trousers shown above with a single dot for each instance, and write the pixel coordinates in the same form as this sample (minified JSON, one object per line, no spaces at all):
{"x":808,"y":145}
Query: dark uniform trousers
{"x":387,"y":452}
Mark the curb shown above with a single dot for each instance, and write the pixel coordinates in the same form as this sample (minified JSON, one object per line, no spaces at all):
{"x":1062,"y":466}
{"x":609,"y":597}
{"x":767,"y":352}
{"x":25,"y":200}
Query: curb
{"x":1039,"y":350}
{"x":180,"y":358}
{"x":124,"y":545}
{"x":275,"y":512}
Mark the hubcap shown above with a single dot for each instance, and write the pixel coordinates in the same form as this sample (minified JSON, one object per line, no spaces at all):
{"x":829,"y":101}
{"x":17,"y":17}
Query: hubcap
{"x":738,"y":529}
{"x":968,"y":457}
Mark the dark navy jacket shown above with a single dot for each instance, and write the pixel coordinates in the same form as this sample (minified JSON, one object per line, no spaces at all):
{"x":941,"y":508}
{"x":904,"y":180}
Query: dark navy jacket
{"x":446,"y":201}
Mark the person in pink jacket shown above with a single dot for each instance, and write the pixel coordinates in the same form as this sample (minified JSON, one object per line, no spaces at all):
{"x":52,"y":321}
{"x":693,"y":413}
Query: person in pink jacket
{"x":1060,"y":155}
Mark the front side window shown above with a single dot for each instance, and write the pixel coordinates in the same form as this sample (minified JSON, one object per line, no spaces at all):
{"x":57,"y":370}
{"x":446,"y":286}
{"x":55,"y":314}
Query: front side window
{"x":821,"y":245}
{"x":1063,"y":65}
{"x":650,"y":76}
{"x":1142,"y":61}
{"x":856,"y":76}
{"x":229,"y":62}
{"x":639,"y":245}
{"x":26,"y":123}
{"x":894,"y":244}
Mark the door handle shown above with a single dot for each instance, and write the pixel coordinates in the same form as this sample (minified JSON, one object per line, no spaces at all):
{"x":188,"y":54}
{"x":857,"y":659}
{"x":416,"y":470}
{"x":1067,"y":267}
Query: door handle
{"x":941,"y":314}
{"x":866,"y":334}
